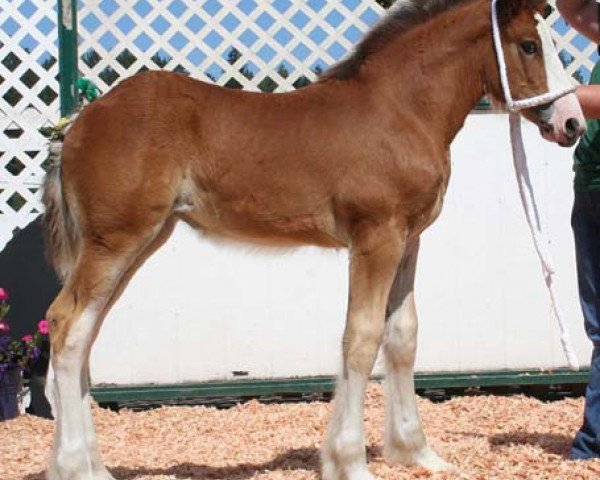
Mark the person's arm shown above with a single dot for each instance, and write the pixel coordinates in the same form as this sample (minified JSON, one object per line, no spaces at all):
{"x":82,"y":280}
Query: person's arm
{"x":582,"y":15}
{"x":589,"y":98}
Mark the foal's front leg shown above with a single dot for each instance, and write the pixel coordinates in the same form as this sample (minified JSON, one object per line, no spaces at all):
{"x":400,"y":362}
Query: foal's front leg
{"x":405,"y":441}
{"x":374,"y":258}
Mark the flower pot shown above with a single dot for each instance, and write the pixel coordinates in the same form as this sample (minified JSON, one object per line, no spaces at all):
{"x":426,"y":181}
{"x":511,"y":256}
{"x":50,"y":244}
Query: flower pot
{"x":10,"y":385}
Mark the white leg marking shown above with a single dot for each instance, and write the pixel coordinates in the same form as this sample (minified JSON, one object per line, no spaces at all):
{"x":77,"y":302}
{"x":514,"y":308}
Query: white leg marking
{"x":98,"y":468}
{"x":71,"y":460}
{"x":343,"y":456}
{"x":405,"y":441}
{"x":50,"y":388}
{"x":52,"y":397}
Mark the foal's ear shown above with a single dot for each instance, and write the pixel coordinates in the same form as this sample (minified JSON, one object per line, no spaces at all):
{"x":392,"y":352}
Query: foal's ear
{"x":507,"y":9}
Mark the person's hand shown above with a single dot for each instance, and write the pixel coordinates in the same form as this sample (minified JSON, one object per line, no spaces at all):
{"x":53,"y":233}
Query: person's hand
{"x":582,"y":15}
{"x":589,"y":98}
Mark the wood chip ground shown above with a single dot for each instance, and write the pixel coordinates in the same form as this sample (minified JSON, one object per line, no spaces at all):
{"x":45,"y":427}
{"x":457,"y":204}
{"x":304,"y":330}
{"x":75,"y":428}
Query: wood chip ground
{"x":486,"y":437}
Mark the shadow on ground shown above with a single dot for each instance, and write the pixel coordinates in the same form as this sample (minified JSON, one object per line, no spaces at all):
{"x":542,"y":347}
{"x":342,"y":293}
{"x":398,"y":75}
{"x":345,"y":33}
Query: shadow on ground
{"x":549,"y":442}
{"x":298,"y":459}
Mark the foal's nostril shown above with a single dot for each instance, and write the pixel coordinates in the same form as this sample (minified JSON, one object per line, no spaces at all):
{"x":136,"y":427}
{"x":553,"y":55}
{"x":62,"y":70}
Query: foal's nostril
{"x":572,"y":128}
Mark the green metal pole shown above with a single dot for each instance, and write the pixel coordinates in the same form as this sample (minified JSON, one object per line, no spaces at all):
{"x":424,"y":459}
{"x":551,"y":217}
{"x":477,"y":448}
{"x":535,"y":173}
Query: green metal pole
{"x":67,"y":55}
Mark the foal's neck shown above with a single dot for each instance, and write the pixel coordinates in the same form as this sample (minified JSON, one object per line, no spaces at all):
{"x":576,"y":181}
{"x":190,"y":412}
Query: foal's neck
{"x":435,"y":71}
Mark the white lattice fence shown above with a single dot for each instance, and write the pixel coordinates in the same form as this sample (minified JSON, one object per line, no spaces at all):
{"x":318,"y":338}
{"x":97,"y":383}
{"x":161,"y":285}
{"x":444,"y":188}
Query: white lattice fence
{"x":256,"y":45}
{"x":28,"y":101}
{"x":578,"y":54}
{"x":273,"y":46}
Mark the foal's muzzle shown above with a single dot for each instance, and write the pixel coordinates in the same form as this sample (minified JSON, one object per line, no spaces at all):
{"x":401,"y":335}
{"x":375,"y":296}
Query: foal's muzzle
{"x":561,"y":121}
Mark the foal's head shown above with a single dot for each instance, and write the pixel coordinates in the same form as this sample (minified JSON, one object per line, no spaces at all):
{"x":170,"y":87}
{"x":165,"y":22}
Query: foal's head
{"x":534,"y":69}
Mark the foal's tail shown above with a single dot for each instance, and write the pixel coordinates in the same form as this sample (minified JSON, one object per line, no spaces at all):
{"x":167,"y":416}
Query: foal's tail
{"x":60,"y":227}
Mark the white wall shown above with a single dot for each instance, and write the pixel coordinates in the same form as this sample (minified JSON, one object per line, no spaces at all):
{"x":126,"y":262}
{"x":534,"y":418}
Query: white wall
{"x":198,"y":311}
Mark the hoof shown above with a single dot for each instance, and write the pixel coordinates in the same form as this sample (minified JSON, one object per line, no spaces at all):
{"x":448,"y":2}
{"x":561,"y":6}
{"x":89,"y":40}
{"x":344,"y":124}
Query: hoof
{"x":52,"y":474}
{"x":75,"y":469}
{"x":425,"y":458}
{"x":334,"y":469}
{"x":103,"y":474}
{"x":333,"y":472}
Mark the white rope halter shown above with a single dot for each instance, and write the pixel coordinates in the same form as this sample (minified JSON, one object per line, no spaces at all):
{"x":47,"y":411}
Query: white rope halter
{"x":540,"y":239}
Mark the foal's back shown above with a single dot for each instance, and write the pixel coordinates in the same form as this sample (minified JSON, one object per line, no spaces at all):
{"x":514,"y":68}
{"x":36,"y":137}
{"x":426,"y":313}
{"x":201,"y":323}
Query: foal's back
{"x":300,"y":167}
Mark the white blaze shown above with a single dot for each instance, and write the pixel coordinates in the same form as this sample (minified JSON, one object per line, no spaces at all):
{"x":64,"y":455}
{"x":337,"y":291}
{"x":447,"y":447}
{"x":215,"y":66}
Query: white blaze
{"x":557,"y":77}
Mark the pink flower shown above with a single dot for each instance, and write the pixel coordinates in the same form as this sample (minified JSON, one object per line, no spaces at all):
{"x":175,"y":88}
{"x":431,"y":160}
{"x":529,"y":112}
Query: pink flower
{"x":4,"y":328}
{"x":27,"y":338}
{"x":3,"y":295}
{"x":43,"y":327}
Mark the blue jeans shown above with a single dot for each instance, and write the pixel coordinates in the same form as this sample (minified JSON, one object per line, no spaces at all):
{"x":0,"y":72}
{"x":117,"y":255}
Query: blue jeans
{"x":585,"y":221}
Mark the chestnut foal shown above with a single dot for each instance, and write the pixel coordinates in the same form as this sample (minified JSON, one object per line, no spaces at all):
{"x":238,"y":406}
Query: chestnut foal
{"x":358,"y":160}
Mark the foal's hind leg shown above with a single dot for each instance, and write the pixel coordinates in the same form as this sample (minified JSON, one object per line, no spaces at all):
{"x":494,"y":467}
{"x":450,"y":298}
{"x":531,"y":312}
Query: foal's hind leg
{"x":374,"y":258}
{"x":75,"y":317}
{"x":98,"y":468}
{"x":404,"y":438}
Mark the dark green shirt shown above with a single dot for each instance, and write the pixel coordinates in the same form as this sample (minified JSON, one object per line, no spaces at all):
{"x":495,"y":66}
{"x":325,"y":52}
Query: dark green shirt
{"x":587,"y":153}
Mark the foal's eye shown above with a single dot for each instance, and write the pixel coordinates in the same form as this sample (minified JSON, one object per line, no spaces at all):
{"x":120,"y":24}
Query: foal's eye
{"x":529,"y":47}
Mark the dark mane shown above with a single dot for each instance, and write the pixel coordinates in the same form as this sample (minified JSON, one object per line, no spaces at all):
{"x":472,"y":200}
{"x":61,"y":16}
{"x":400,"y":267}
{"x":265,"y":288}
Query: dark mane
{"x":403,"y":16}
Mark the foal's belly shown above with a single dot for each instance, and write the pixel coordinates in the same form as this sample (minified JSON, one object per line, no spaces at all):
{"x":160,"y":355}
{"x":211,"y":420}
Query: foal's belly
{"x":239,"y":220}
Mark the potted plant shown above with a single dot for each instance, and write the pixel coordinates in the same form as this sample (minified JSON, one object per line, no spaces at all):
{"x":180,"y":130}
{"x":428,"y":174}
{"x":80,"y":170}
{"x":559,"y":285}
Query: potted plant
{"x":16,"y":357}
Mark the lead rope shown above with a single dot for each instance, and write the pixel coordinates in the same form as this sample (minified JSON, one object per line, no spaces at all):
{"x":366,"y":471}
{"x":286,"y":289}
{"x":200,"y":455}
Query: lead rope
{"x":540,"y":239}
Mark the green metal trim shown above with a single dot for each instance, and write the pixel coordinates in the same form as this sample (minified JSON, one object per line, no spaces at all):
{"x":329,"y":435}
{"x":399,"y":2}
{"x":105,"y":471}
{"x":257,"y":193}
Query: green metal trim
{"x":235,"y":388}
{"x":244,"y":388}
{"x":501,"y":378}
{"x":67,"y":55}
